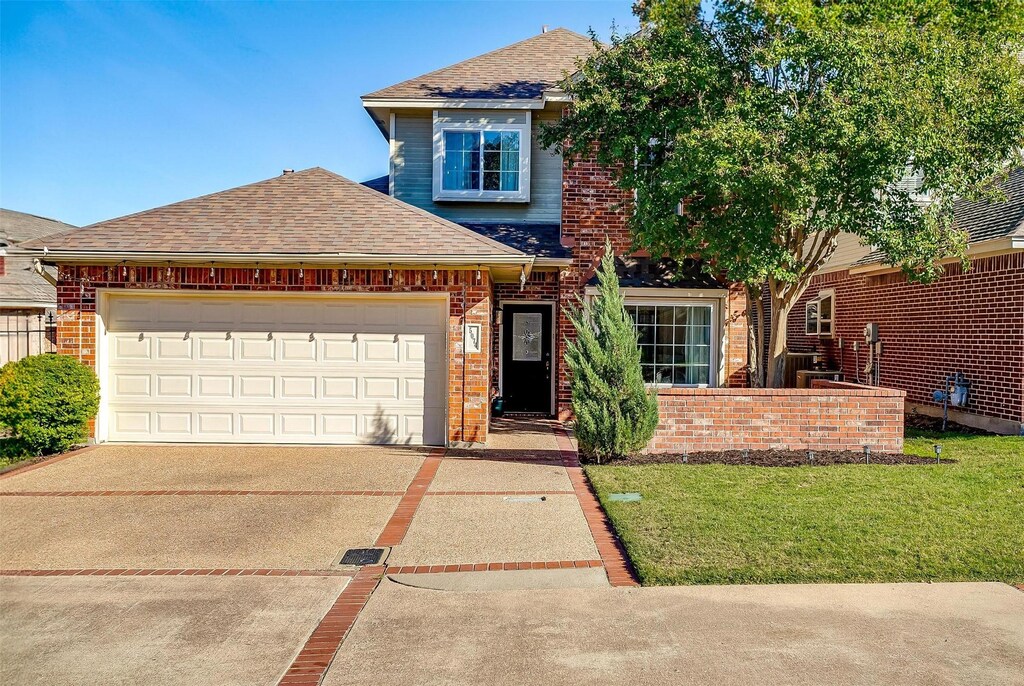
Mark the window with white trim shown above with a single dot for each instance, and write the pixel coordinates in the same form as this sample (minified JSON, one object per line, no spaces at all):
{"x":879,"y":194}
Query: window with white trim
{"x":481,"y":162}
{"x":675,"y":342}
{"x":819,"y":315}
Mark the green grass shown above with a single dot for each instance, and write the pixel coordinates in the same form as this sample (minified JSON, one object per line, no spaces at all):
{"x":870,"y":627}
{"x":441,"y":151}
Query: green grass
{"x":715,"y":524}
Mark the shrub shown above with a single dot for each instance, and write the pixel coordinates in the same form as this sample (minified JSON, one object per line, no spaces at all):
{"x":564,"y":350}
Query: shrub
{"x":615,"y":414}
{"x":46,"y":402}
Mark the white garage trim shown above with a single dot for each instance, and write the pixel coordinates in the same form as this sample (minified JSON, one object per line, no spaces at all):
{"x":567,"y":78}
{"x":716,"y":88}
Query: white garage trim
{"x":271,"y":358}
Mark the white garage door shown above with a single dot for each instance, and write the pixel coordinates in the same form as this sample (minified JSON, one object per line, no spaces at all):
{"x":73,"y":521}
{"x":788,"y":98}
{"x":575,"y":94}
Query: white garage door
{"x":252,"y":369}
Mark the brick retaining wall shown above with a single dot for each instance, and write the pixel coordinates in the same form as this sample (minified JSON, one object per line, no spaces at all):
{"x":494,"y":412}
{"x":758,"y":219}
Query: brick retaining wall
{"x":831,"y":416}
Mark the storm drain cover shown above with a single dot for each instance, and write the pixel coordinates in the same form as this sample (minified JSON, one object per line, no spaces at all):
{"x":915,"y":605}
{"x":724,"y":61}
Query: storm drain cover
{"x":362,"y":556}
{"x":624,"y":497}
{"x":525,"y":498}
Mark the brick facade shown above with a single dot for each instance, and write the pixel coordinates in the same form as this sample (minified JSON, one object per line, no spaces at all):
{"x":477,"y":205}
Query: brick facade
{"x":968,"y":321}
{"x":830,"y":416}
{"x":468,"y":375}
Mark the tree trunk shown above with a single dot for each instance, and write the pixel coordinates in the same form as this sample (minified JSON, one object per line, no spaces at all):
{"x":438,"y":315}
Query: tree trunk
{"x":755,"y":334}
{"x":777,"y":345}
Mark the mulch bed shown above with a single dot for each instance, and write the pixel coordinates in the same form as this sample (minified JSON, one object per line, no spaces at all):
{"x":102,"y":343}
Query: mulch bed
{"x":774,"y":458}
{"x":915,"y":420}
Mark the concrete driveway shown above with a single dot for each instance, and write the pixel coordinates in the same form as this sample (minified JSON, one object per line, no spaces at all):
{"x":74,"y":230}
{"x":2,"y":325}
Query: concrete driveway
{"x":184,"y":564}
{"x":910,"y":634}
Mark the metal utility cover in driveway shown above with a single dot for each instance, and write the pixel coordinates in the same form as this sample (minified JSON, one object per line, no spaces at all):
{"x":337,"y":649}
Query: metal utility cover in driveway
{"x":362,"y":556}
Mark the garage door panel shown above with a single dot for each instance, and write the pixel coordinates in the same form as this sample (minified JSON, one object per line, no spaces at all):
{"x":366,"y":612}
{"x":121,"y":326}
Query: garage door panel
{"x":297,"y":349}
{"x":376,"y":348}
{"x":131,"y":385}
{"x":340,"y":388}
{"x":215,"y":386}
{"x":256,"y":424}
{"x":173,"y":386}
{"x":344,"y":349}
{"x":215,"y":424}
{"x":356,"y":371}
{"x":174,"y":423}
{"x":173,"y":346}
{"x":298,"y":387}
{"x":219,"y":349}
{"x":132,"y":347}
{"x":255,"y":348}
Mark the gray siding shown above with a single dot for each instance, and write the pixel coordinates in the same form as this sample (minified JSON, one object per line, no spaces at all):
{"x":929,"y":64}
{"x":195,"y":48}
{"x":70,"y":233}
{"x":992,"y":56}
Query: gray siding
{"x":413,"y":170}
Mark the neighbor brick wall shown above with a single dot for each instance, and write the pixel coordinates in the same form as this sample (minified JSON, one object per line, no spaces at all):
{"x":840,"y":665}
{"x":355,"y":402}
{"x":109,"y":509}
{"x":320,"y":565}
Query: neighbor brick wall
{"x":830,"y":417}
{"x":76,"y":318}
{"x":972,"y":322}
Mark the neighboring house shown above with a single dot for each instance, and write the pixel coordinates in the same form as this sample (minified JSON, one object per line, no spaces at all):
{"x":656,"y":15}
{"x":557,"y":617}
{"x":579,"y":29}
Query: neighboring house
{"x":969,"y":322}
{"x":28,"y":300}
{"x":308,"y":308}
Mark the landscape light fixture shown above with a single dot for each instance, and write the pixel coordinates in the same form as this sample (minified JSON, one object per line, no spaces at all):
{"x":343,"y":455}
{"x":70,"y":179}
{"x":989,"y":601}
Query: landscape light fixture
{"x":867,"y":454}
{"x":938,"y":453}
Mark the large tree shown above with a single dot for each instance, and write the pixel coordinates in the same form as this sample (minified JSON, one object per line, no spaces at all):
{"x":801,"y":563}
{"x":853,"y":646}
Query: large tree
{"x":753,"y":132}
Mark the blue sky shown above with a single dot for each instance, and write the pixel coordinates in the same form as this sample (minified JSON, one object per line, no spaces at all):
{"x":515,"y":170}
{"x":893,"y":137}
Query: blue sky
{"x":111,"y":108}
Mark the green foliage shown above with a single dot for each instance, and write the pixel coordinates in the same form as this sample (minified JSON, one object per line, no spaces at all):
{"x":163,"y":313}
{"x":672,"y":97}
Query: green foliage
{"x":781,"y":123}
{"x":46,"y":402}
{"x":615,"y":414}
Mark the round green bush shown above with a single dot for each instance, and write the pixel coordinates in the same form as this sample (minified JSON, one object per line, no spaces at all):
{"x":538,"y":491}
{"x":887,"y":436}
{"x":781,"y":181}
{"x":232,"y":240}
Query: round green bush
{"x":46,"y":402}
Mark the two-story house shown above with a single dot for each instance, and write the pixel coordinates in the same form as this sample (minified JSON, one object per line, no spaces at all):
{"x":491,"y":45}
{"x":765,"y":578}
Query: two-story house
{"x":308,"y":308}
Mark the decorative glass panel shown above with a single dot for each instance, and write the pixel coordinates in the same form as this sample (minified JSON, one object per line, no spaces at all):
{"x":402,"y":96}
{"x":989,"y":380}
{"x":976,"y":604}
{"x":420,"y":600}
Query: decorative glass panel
{"x":526,"y":336}
{"x":461,"y":161}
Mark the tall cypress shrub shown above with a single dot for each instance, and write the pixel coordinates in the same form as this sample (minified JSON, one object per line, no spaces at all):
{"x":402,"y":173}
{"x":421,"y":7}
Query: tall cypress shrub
{"x":615,"y":413}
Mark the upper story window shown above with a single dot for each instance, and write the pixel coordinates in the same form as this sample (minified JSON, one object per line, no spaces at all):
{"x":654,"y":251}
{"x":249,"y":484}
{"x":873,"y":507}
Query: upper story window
{"x":481,"y":160}
{"x":474,"y":162}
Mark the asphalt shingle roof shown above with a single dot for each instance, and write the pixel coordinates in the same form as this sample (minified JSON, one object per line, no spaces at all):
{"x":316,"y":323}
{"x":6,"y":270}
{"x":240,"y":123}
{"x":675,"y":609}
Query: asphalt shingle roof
{"x":539,"y":240}
{"x":306,"y":212}
{"x":645,"y":272}
{"x":984,"y":220}
{"x":16,"y":227}
{"x":523,"y":70}
{"x":19,"y":284}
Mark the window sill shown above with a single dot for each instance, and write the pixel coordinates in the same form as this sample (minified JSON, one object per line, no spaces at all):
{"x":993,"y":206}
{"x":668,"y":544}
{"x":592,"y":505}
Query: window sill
{"x":479,"y":196}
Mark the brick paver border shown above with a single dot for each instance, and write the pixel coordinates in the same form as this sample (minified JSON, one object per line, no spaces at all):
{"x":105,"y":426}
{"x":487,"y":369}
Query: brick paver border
{"x":396,"y":528}
{"x":312,"y":662}
{"x":177,"y":572}
{"x":495,"y":567}
{"x":62,"y":494}
{"x":505,"y":493}
{"x":616,"y":563}
{"x":45,"y":463}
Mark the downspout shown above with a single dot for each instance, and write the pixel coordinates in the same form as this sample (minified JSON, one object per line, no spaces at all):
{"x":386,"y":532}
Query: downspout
{"x":464,"y":353}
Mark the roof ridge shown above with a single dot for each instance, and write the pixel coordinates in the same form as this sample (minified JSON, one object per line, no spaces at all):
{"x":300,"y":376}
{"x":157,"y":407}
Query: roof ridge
{"x":37,"y":216}
{"x":559,"y":29}
{"x":447,"y":223}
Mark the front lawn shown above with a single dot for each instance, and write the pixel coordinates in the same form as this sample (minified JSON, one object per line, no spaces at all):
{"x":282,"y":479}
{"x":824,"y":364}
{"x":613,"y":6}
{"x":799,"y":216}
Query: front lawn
{"x":714,"y":524}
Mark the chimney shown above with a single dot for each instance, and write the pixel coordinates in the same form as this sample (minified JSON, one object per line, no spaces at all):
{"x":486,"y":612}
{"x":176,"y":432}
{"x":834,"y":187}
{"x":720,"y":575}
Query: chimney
{"x":287,"y":171}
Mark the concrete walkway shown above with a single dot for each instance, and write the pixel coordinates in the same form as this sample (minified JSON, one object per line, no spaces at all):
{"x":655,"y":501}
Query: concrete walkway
{"x":909,"y":634}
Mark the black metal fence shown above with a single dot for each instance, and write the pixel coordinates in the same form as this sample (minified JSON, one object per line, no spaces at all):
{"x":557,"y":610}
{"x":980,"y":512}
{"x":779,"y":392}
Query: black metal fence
{"x":23,"y":334}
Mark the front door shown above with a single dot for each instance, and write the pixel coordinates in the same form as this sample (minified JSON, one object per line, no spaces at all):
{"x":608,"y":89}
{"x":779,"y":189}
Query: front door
{"x":526,"y":358}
